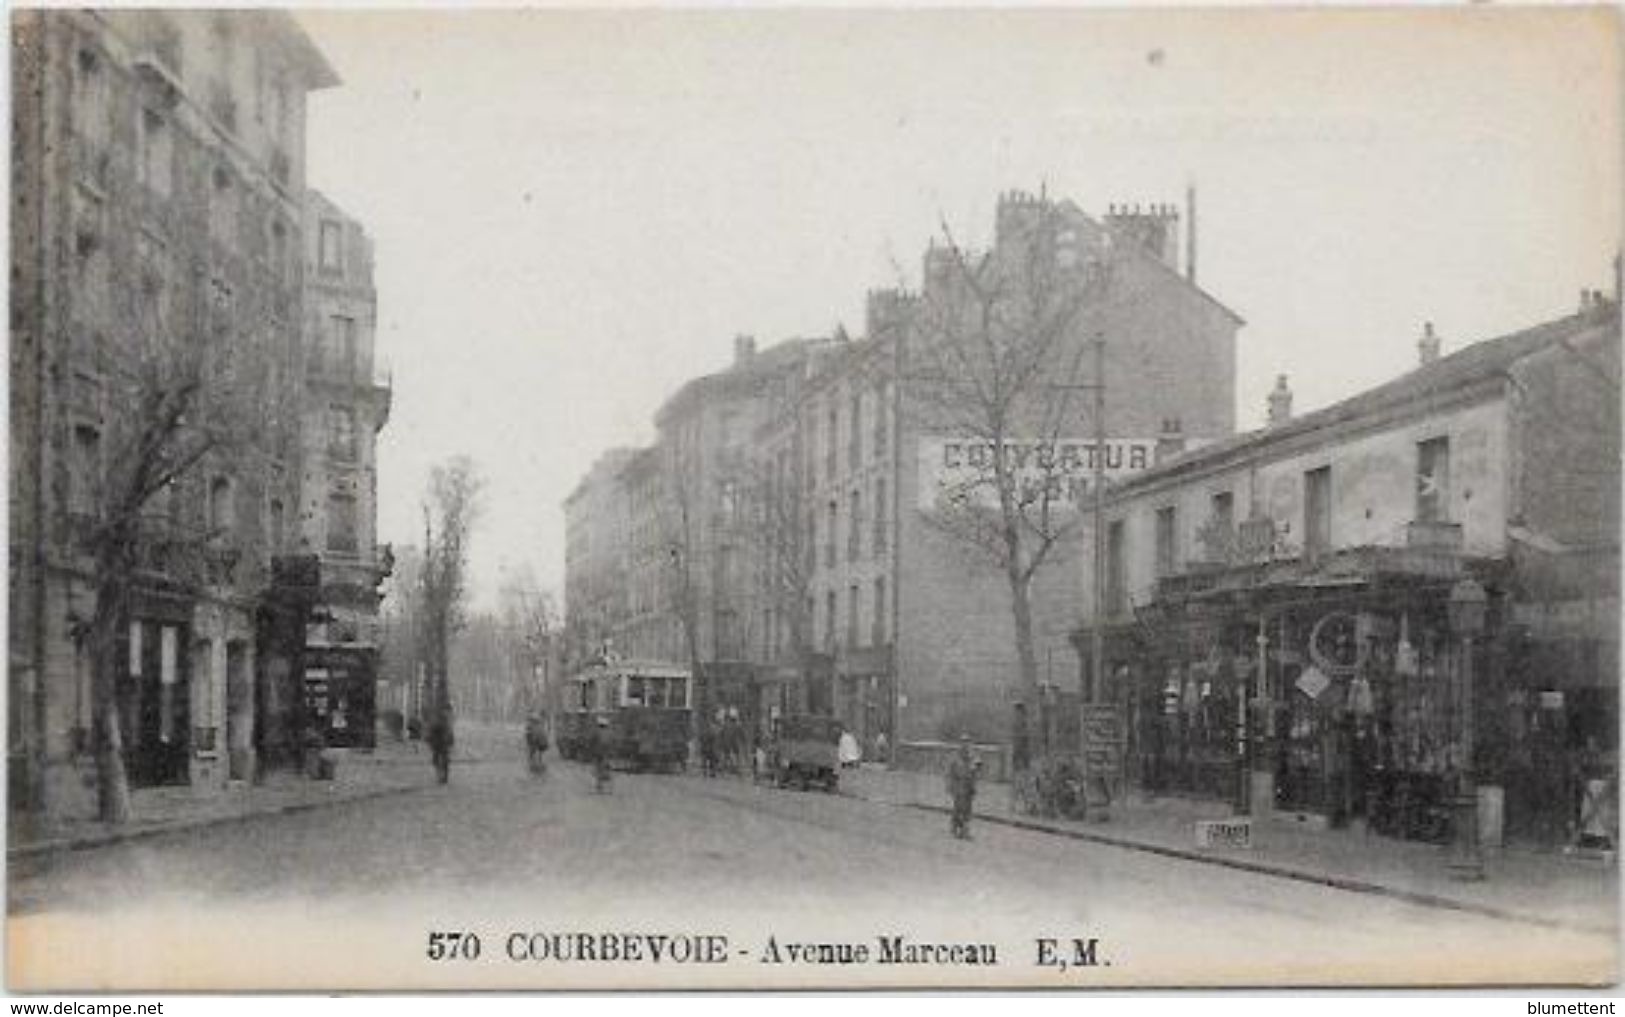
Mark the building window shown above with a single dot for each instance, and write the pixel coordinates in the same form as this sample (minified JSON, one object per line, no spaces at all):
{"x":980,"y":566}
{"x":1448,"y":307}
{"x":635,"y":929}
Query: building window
{"x":88,"y":243}
{"x":882,"y":432}
{"x":1433,"y":481}
{"x":1116,"y":589}
{"x":341,"y":346}
{"x":809,"y":448}
{"x":878,"y":637}
{"x":157,"y":152}
{"x":279,"y":248}
{"x":1167,"y":540}
{"x":812,"y":540}
{"x":1317,"y":512}
{"x":831,"y":439}
{"x":330,"y":246}
{"x":85,"y":470}
{"x":277,"y":521}
{"x":829,"y":621}
{"x":341,"y":432}
{"x":203,"y":695}
{"x":852,"y":615}
{"x":854,"y":527}
{"x":223,"y":208}
{"x":854,"y":449}
{"x":834,"y":528}
{"x":880,"y":516}
{"x":1224,"y":511}
{"x":91,"y":105}
{"x":341,"y":522}
{"x":171,"y":712}
{"x":153,"y":257}
{"x":1218,"y":534}
{"x":221,"y":515}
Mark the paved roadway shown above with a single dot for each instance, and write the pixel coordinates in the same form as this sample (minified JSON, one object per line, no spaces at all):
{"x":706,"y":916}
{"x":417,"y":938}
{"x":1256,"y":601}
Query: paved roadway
{"x":347,"y":896}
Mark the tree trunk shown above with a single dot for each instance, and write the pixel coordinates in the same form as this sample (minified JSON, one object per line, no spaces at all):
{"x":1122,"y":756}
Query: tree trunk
{"x":112,"y":782}
{"x":1022,"y":614}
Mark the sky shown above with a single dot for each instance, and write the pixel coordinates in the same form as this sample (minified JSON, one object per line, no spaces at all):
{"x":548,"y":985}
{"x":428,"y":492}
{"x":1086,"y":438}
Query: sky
{"x":575,"y":211}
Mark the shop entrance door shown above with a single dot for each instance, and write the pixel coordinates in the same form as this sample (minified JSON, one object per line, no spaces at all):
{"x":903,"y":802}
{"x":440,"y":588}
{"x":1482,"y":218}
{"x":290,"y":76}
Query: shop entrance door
{"x":239,"y":711}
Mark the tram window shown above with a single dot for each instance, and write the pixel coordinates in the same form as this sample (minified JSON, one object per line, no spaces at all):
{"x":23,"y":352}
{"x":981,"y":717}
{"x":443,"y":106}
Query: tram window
{"x":636,"y":689}
{"x":657,"y":692}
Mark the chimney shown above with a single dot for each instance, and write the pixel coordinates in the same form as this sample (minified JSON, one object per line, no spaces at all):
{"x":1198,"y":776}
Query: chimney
{"x":1280,"y":402}
{"x":1428,"y":346}
{"x":1156,"y":229}
{"x":1190,"y":232}
{"x":1170,"y":440}
{"x":744,"y":349}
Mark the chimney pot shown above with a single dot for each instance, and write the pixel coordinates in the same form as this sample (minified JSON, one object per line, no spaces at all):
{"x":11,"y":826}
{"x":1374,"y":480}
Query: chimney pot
{"x":744,"y":348}
{"x":1170,"y":442}
{"x":1428,"y":346}
{"x":1280,"y":402}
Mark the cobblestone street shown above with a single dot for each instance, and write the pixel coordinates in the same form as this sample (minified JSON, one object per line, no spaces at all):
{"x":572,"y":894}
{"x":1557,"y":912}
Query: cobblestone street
{"x":497,"y":852}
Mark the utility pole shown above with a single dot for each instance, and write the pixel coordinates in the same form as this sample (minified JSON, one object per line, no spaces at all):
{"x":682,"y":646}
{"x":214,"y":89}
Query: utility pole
{"x":1097,"y":633}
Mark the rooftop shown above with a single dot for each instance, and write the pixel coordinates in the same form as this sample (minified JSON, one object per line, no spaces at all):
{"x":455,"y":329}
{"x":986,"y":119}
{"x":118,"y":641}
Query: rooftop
{"x":1461,"y":370}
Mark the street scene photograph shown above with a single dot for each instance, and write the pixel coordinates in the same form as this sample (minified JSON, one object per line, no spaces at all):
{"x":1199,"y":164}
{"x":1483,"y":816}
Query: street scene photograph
{"x":526,"y":499}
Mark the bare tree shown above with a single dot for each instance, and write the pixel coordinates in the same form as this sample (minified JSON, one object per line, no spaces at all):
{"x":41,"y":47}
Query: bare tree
{"x":531,"y":622}
{"x":995,"y":361}
{"x":403,"y":642}
{"x":449,"y":516}
{"x":781,"y":551}
{"x":680,"y":477}
{"x":180,"y":392}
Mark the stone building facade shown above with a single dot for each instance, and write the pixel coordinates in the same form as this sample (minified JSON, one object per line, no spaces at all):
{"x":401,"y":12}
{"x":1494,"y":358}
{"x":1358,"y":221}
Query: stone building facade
{"x":158,"y":200}
{"x":596,"y":524}
{"x":805,"y":474}
{"x":347,"y":402}
{"x":1279,"y":605}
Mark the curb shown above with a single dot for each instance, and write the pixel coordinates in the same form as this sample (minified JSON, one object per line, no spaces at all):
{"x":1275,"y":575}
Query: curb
{"x":110,"y":838}
{"x":1349,"y":884}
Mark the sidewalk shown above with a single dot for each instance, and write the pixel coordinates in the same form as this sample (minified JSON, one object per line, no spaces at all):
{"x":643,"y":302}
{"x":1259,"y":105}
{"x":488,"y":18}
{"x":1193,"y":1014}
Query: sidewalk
{"x":390,"y":769}
{"x":1546,"y":888}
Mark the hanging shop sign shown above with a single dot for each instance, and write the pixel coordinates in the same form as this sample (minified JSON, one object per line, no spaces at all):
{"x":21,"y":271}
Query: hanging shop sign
{"x":1335,"y":644}
{"x":1313,"y":682}
{"x":964,"y":471}
{"x":1103,"y":740}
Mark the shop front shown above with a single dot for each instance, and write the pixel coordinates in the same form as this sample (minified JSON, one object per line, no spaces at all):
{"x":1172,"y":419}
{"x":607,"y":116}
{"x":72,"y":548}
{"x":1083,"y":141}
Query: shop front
{"x":1336,"y":695}
{"x":154,"y":690}
{"x":1561,"y":708}
{"x":340,"y":691}
{"x":863,"y":696}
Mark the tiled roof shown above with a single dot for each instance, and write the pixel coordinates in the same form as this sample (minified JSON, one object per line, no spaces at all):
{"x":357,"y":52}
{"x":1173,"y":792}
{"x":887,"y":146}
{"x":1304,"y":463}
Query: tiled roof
{"x":1460,"y":370}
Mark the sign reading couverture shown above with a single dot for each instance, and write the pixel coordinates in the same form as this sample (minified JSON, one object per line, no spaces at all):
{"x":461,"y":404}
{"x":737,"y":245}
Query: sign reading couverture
{"x":962,"y":470}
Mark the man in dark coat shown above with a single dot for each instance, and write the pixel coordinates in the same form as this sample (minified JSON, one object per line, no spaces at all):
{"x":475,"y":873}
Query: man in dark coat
{"x":536,"y":742}
{"x":962,"y":774}
{"x":440,"y":740}
{"x":600,"y":756}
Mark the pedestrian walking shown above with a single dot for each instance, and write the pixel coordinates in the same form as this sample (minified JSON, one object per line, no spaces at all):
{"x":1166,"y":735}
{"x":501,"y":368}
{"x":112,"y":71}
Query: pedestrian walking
{"x":600,"y":757}
{"x":708,"y":749}
{"x":441,"y":739}
{"x":536,"y":743}
{"x":962,"y":774}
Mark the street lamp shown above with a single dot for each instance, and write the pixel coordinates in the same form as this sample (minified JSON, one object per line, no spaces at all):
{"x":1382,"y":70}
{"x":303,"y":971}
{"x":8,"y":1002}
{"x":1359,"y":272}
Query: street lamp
{"x":1467,"y":609}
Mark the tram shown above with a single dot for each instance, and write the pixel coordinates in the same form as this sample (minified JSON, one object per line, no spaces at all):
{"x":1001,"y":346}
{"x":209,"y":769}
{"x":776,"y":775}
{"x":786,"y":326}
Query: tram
{"x":646,"y":704}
